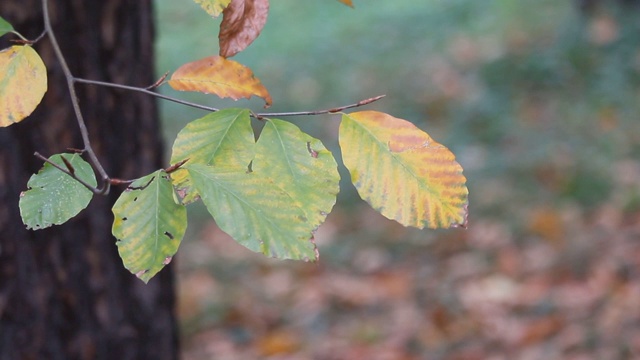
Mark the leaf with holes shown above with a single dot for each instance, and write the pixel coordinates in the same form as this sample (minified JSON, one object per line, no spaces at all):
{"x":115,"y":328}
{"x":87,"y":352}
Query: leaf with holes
{"x":300,"y":166}
{"x":23,"y":82}
{"x":242,"y":22}
{"x":254,"y":211}
{"x":54,"y":197}
{"x":5,"y":27}
{"x":213,"y":7}
{"x":219,"y":76}
{"x":402,"y":172}
{"x":224,"y":136}
{"x":148,"y":224}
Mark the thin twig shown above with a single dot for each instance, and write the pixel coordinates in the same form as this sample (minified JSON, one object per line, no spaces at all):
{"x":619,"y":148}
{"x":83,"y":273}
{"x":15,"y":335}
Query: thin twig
{"x":25,"y":41}
{"x":145,"y":91}
{"x":212,"y":109}
{"x":322,"y":112}
{"x":104,"y":189}
{"x":158,"y":82}
{"x":92,"y":188}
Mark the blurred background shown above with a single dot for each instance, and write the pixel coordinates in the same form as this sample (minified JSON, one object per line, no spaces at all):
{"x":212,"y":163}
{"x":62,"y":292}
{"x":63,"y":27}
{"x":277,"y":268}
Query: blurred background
{"x":540,"y":102}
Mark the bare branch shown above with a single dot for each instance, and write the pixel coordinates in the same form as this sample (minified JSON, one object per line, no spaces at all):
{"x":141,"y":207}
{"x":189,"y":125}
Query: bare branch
{"x":145,"y":91}
{"x":322,"y":112}
{"x":74,"y":101}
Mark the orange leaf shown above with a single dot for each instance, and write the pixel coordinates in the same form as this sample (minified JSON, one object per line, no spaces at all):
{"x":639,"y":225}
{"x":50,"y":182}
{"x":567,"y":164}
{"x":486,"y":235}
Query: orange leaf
{"x":402,"y":172}
{"x":242,"y":22}
{"x":217,"y":75}
{"x":347,"y":2}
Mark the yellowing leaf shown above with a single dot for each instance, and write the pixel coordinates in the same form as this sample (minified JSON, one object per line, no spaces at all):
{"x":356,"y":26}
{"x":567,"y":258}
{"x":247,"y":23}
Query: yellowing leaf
{"x":23,"y":82}
{"x":213,"y":7}
{"x":242,"y":22}
{"x":347,"y":2}
{"x":148,"y":224}
{"x":219,"y":76}
{"x":402,"y":172}
{"x":300,"y":166}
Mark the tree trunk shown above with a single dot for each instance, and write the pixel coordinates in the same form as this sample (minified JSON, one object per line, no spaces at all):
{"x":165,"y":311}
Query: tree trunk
{"x":64,"y":293}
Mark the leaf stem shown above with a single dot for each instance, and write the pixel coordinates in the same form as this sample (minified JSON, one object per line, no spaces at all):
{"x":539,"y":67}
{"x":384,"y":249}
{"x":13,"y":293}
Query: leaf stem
{"x":24,"y":39}
{"x":104,"y":189}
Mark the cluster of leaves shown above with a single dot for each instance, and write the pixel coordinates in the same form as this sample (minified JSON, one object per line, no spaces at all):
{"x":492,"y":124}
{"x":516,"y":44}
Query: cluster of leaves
{"x":269,"y":191}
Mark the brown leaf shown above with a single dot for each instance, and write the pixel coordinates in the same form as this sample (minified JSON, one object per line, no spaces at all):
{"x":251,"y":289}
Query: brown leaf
{"x":217,"y":75}
{"x":242,"y":22}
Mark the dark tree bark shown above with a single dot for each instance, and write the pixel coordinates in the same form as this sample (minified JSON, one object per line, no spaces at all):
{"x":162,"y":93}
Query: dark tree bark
{"x":64,"y":293}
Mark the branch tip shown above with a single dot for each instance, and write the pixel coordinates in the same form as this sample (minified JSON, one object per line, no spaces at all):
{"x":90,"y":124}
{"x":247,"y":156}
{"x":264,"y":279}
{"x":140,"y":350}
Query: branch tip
{"x":158,"y":82}
{"x":175,"y":166}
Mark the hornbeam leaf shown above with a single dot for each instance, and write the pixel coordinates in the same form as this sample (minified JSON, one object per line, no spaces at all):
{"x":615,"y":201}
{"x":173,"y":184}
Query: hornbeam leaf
{"x":219,"y":76}
{"x":5,"y":27}
{"x":148,"y":224}
{"x":54,"y":197}
{"x":242,"y":22}
{"x":223,"y":137}
{"x":402,"y":172}
{"x":254,"y":211}
{"x":300,"y":166}
{"x":213,"y":7}
{"x":23,"y":82}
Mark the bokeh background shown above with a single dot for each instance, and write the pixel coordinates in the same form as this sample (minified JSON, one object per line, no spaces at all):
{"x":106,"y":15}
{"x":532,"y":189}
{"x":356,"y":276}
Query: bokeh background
{"x":539,"y":100}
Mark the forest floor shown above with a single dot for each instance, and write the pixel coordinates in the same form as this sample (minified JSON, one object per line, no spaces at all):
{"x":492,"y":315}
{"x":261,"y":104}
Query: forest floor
{"x":567,"y":287}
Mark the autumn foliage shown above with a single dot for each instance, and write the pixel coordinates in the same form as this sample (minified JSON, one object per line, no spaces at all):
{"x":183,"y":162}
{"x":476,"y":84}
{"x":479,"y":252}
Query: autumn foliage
{"x":270,"y":191}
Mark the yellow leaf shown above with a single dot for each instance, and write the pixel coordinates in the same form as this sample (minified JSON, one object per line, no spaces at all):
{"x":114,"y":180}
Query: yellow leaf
{"x":402,"y":172}
{"x":23,"y":82}
{"x":242,"y":22}
{"x":219,"y":76}
{"x":213,"y":7}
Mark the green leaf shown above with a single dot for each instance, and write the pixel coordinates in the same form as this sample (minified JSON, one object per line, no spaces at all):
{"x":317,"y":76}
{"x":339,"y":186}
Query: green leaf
{"x":255,"y":211}
{"x":223,"y":137}
{"x":300,"y":166}
{"x":23,"y":83}
{"x":402,"y":172}
{"x":148,"y":224}
{"x":5,"y":27}
{"x":54,"y":197}
{"x":213,"y":7}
